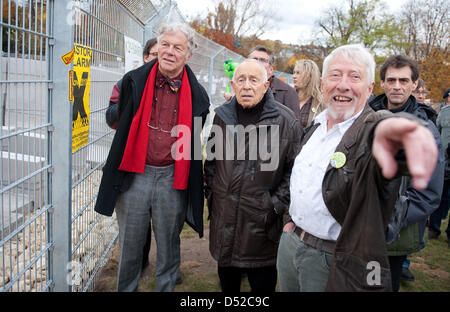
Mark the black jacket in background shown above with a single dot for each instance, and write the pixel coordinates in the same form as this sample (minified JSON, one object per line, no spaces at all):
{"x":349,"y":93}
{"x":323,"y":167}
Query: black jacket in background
{"x":285,"y":94}
{"x":413,"y":206}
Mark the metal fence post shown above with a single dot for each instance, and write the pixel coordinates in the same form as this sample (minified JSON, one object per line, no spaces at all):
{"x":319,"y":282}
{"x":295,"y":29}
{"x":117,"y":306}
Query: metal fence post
{"x":211,"y":68}
{"x":60,"y":142}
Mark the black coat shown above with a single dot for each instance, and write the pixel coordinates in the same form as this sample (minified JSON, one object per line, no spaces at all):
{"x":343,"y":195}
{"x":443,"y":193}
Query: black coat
{"x":246,"y":202}
{"x":115,"y":181}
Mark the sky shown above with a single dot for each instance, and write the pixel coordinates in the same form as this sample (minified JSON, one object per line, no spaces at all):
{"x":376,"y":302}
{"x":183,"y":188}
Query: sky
{"x":293,"y":20}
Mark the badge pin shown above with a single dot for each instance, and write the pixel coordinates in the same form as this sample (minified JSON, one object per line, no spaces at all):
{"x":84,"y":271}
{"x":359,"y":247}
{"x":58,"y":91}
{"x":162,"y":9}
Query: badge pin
{"x":338,"y":160}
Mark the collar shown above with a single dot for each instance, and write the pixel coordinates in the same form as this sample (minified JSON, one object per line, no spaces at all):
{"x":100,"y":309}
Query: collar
{"x":174,"y":83}
{"x":227,"y":111}
{"x":411,"y":106}
{"x":343,"y":126}
{"x":257,"y":108}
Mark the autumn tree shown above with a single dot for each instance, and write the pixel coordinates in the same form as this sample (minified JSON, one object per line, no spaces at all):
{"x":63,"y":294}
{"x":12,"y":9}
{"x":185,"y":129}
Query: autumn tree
{"x":435,"y":71}
{"x":221,"y":38}
{"x":23,"y":16}
{"x":235,"y":21}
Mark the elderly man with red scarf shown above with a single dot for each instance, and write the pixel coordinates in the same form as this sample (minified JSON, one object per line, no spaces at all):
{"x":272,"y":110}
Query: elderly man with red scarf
{"x":151,"y":172}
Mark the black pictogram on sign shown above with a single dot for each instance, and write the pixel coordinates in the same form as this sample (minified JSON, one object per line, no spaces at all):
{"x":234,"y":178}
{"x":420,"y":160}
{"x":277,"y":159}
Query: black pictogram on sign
{"x":78,"y":96}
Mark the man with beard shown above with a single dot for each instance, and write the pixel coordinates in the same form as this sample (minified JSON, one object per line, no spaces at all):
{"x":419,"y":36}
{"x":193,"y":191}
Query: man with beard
{"x":343,"y":184}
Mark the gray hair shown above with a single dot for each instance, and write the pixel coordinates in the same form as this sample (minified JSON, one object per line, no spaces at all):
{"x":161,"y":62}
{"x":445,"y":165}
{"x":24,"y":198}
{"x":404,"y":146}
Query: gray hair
{"x":175,"y":27}
{"x":356,"y":53}
{"x":263,"y":69}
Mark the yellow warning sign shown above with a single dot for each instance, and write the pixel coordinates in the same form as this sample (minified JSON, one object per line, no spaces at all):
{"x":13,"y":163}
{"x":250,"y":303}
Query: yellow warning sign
{"x":80,"y":91}
{"x":68,"y":57}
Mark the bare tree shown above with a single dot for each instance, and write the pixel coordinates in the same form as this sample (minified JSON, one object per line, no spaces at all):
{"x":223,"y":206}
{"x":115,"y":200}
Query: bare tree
{"x":336,"y":24}
{"x":358,"y":21}
{"x":426,"y":25}
{"x":240,"y":17}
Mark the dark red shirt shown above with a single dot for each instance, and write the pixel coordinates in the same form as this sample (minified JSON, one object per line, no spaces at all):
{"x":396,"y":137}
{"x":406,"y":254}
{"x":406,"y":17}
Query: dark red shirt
{"x":164,"y":117}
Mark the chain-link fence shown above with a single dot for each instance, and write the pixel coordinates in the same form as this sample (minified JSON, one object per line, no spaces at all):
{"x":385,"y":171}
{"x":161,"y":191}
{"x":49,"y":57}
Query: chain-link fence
{"x":25,"y":210}
{"x":50,"y":237}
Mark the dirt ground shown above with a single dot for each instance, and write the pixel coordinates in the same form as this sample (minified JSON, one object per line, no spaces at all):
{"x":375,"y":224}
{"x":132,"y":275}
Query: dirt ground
{"x":195,"y":261}
{"x":199,"y":269}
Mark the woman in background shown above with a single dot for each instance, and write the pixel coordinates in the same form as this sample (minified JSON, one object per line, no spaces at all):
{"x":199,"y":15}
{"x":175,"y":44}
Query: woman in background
{"x":307,"y":84}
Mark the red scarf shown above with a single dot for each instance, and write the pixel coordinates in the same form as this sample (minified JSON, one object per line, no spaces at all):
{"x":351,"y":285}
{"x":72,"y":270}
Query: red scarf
{"x":136,"y":149}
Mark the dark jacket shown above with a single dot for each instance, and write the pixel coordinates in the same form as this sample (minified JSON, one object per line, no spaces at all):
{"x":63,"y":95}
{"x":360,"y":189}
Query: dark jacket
{"x":361,"y":200}
{"x":407,"y":225}
{"x":443,"y":125}
{"x":246,"y":204}
{"x":112,"y":112}
{"x":285,"y":94}
{"x":115,"y":181}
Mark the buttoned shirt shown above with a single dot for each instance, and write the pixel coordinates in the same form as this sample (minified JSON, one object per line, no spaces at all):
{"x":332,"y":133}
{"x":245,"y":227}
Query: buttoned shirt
{"x":164,"y":117}
{"x":307,"y":209}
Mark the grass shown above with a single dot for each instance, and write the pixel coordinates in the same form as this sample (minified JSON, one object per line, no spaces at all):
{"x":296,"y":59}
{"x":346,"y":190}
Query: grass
{"x":431,"y":266}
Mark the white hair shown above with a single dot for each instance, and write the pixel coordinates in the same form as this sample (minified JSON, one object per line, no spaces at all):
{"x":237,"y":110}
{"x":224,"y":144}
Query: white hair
{"x":175,"y":27}
{"x":354,"y":52}
{"x":263,"y":69}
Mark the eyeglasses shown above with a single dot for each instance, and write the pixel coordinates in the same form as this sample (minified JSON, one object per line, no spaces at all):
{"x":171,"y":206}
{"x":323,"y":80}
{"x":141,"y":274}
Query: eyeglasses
{"x":261,"y":60}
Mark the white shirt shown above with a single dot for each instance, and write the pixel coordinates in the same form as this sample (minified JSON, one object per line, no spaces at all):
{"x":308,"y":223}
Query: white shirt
{"x":307,"y":208}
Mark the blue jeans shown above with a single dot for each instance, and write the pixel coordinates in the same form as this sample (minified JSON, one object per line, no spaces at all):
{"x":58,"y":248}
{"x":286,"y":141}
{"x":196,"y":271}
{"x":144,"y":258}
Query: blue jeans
{"x":301,"y":267}
{"x":151,"y":196}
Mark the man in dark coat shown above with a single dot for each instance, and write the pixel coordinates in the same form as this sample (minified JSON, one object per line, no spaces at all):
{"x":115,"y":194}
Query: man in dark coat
{"x":248,"y":180}
{"x":112,"y":118}
{"x":399,"y":78}
{"x":343,"y":186}
{"x":153,"y":171}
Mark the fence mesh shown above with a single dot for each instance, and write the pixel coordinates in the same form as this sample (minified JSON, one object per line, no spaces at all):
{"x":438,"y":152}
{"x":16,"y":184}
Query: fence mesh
{"x":24,"y":243}
{"x":101,"y":26}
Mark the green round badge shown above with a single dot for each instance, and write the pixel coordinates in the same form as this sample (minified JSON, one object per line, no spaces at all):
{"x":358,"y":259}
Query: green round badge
{"x":338,"y":160}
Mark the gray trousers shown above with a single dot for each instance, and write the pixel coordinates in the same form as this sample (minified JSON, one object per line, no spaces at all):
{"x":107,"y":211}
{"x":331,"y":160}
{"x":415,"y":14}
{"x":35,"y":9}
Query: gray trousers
{"x":150,"y":197}
{"x":301,"y":268}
